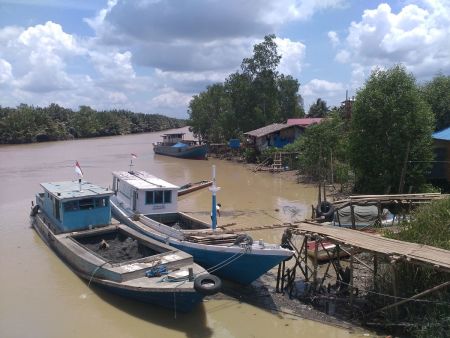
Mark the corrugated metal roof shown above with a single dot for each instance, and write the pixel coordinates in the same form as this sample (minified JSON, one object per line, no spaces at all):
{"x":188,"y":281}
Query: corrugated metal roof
{"x":442,"y":135}
{"x":271,"y":128}
{"x":143,"y":180}
{"x":307,"y":121}
{"x":71,"y":189}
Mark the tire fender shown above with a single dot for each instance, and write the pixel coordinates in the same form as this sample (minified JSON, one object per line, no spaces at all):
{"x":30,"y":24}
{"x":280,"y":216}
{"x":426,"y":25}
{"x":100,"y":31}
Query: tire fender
{"x":207,"y":284}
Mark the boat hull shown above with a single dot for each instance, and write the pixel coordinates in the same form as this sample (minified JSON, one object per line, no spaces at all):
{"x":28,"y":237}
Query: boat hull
{"x":238,"y":265}
{"x":189,"y":152}
{"x":182,"y":299}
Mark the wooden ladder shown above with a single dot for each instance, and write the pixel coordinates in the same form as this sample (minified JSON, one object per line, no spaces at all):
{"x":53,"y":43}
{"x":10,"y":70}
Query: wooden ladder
{"x":277,"y":162}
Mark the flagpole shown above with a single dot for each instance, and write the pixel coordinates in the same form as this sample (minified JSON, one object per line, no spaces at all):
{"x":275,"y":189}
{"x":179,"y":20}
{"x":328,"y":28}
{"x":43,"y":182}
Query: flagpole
{"x":214,"y":189}
{"x":79,"y":173}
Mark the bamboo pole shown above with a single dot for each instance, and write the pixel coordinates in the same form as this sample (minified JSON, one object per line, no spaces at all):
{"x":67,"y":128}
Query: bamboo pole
{"x":419,"y":295}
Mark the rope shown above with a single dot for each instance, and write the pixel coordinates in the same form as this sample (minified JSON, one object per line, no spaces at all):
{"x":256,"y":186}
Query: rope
{"x":229,"y":260}
{"x":95,"y":271}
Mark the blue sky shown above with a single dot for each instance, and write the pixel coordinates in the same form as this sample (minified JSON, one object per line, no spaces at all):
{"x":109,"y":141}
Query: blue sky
{"x":152,"y":56}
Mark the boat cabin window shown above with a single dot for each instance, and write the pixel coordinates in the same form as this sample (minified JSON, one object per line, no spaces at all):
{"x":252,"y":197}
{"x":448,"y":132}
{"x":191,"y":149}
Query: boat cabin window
{"x":71,"y":206}
{"x":158,"y":197}
{"x":86,"y":203}
{"x":167,"y":196}
{"x":101,"y":202}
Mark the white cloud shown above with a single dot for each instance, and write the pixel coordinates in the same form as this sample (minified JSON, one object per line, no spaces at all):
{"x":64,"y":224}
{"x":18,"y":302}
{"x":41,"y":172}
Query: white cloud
{"x":287,"y":10}
{"x":293,"y":55}
{"x":334,"y":38}
{"x":171,"y":98}
{"x":322,"y":88}
{"x":331,"y":92}
{"x":417,"y":36}
{"x":5,"y":72}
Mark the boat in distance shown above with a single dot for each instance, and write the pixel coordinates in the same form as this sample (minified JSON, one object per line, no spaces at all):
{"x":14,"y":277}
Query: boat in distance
{"x":74,"y":220}
{"x":174,"y":145}
{"x":149,"y":205}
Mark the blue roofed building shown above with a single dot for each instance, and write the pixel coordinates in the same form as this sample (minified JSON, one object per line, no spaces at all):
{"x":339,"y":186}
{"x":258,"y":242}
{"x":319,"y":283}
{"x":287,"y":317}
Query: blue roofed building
{"x":440,"y":172}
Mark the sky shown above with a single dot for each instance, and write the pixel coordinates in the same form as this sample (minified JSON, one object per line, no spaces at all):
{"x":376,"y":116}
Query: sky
{"x":152,"y":56}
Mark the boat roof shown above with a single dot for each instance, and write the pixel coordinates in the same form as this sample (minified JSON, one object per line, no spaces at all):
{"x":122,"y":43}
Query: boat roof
{"x":143,"y":180}
{"x":173,"y":134}
{"x":71,"y":190}
{"x":442,"y":135}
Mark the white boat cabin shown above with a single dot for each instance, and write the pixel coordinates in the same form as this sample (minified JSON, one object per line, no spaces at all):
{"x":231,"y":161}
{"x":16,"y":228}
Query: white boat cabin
{"x":173,"y":138}
{"x":144,"y":193}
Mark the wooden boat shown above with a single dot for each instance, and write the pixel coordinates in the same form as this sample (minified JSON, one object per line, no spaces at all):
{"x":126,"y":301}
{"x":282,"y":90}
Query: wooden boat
{"x":74,"y":219}
{"x":190,"y":187}
{"x":174,"y":145}
{"x":149,"y":205}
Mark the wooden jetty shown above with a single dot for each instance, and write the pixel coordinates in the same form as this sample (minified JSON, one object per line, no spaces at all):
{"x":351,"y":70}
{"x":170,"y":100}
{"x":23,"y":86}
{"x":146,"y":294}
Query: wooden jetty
{"x":381,"y":248}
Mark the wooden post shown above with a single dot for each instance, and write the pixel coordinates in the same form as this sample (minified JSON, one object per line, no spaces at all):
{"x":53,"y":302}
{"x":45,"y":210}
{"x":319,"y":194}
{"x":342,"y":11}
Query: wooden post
{"x":379,"y":213}
{"x":375,"y":272}
{"x":324,"y":191}
{"x":394,"y":287}
{"x":278,"y":278}
{"x":316,"y":249}
{"x":319,"y":199}
{"x":403,"y":173}
{"x":352,"y":214}
{"x":351,"y":281}
{"x":305,"y":242}
{"x":331,"y":166}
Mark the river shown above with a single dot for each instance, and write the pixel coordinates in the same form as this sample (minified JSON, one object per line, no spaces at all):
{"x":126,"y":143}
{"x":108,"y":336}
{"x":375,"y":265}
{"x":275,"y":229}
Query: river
{"x":41,"y":297}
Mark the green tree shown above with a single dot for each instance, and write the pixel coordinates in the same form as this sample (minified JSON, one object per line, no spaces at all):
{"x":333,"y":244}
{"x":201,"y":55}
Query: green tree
{"x":322,"y":148}
{"x":318,"y":109}
{"x":390,"y":133}
{"x":437,"y":94}
{"x":288,"y":98}
{"x":207,"y":112}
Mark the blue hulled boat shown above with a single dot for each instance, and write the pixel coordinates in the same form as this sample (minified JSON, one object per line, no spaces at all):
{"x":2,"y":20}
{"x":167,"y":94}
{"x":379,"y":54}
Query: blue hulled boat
{"x":149,"y":205}
{"x":174,"y":145}
{"x":74,"y":219}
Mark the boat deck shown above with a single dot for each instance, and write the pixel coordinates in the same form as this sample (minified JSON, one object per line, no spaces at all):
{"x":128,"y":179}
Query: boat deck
{"x":417,"y":253}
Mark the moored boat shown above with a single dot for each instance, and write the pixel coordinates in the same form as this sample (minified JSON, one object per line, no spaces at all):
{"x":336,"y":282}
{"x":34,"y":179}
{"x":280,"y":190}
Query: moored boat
{"x":191,"y":187}
{"x":174,"y":145}
{"x":149,"y":205}
{"x":74,"y":220}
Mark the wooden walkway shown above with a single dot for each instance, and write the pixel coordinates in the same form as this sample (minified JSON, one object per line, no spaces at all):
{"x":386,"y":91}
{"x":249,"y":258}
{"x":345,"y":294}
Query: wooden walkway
{"x":415,"y":253}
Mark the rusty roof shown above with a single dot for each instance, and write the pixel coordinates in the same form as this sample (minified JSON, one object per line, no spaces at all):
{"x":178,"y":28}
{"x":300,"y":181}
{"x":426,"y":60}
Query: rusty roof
{"x":267,"y":130}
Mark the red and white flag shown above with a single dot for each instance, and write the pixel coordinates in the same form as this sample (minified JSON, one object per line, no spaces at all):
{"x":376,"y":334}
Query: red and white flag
{"x":133,"y":155}
{"x":78,"y":169}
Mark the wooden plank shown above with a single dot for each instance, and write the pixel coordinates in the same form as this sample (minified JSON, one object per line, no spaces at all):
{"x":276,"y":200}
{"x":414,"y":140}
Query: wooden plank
{"x":439,"y":258}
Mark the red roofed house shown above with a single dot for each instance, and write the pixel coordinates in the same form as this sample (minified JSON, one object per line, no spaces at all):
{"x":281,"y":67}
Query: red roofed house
{"x":305,"y":122}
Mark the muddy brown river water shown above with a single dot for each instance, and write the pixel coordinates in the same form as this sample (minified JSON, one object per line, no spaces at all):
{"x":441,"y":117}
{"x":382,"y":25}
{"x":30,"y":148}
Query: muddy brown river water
{"x":41,"y":297}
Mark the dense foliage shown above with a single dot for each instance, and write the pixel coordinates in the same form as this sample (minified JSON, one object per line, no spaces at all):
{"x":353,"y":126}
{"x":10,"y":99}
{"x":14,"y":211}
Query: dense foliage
{"x":26,"y":124}
{"x":390,"y":134}
{"x":323,"y":150}
{"x":437,"y":94}
{"x":250,"y":99}
{"x":318,"y":109}
{"x":428,"y":225}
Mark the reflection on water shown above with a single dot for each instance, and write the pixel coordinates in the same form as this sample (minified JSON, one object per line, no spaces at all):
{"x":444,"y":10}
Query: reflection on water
{"x":41,"y":297}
